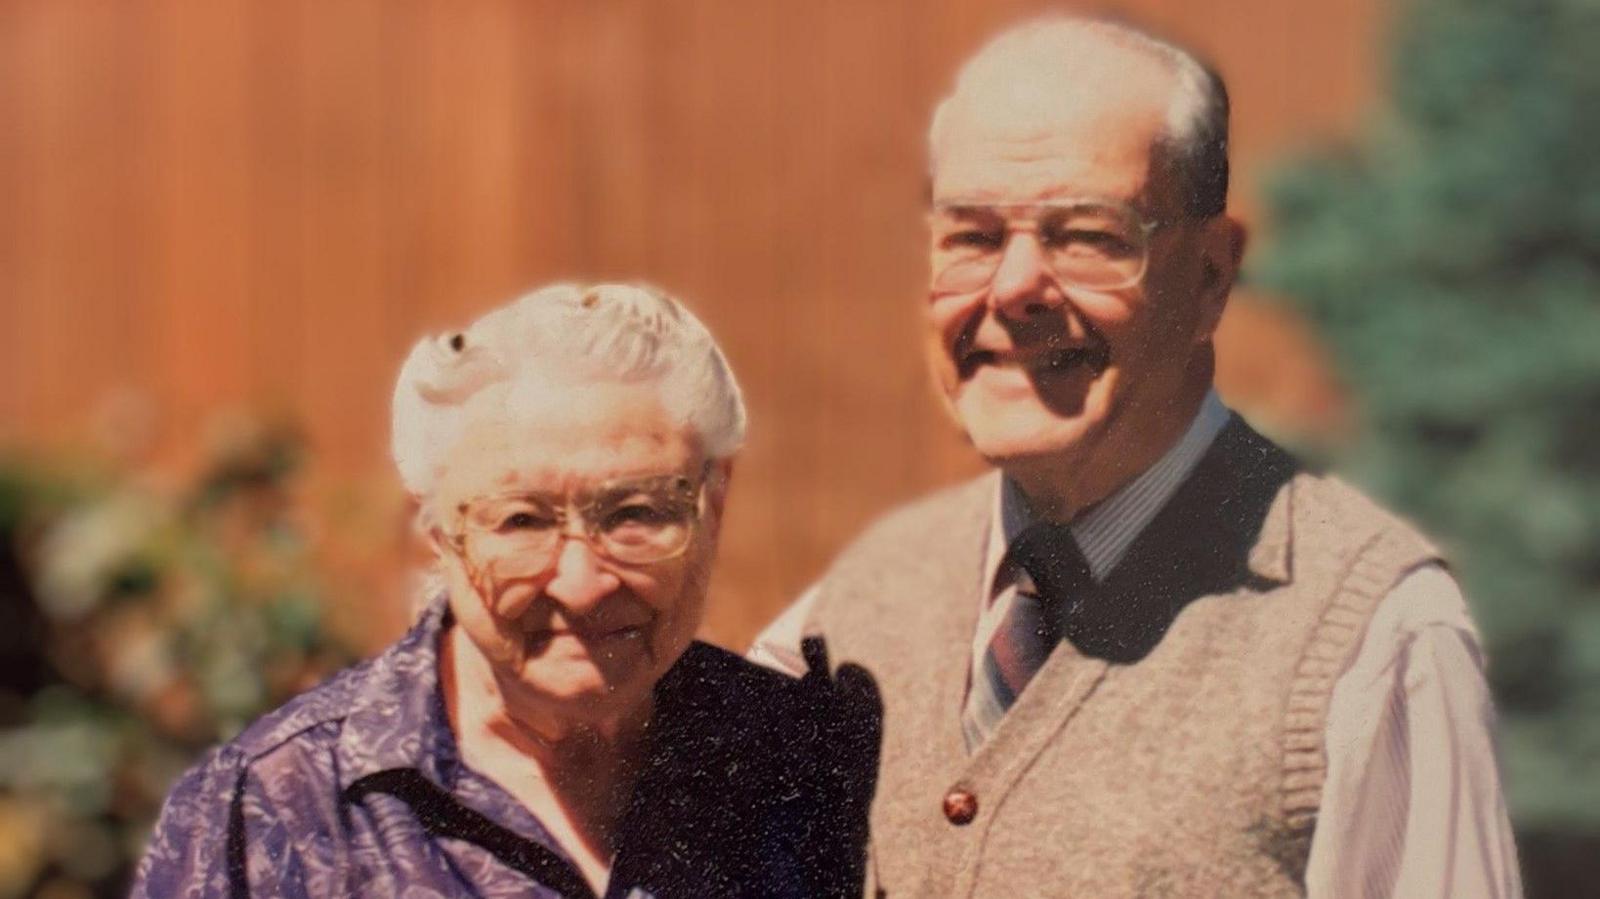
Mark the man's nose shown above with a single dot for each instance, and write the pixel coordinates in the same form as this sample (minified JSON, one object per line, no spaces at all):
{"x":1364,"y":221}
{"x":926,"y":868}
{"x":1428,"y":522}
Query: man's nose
{"x":1023,"y":283}
{"x":580,"y":582}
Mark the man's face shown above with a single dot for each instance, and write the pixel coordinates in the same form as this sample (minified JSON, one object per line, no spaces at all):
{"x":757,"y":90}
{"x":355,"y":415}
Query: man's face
{"x":1035,"y":368}
{"x":580,"y":634}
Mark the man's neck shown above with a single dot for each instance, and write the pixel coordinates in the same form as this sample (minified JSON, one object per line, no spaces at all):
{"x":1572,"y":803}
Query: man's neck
{"x":1060,"y":486}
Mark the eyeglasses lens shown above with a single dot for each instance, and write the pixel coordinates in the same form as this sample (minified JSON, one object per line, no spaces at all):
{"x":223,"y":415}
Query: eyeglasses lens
{"x":516,"y":536}
{"x":1098,"y":247}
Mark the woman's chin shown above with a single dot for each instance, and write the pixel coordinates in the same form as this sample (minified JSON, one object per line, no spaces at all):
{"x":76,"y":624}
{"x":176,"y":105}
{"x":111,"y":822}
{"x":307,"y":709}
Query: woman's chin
{"x":584,"y":687}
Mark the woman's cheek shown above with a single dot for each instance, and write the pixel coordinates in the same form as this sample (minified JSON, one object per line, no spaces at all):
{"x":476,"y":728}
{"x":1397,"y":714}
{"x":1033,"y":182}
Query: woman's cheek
{"x":512,"y":600}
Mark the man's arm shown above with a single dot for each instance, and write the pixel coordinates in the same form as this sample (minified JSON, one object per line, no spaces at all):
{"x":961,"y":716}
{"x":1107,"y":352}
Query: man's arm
{"x":1412,"y":806}
{"x":778,"y":645}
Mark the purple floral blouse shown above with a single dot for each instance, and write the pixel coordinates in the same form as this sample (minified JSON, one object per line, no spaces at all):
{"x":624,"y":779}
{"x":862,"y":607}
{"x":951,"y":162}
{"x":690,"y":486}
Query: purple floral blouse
{"x":356,"y":789}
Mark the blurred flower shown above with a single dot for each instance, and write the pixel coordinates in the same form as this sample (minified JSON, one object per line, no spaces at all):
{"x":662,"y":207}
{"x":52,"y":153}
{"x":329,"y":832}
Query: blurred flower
{"x":136,"y":655}
{"x":96,"y":551}
{"x":169,"y":615}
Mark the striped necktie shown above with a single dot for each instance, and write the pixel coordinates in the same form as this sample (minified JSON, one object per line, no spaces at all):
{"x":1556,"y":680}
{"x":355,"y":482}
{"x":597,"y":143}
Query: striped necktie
{"x":1032,"y":625}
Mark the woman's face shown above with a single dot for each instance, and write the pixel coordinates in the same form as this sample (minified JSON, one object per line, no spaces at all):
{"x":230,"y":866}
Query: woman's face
{"x":567,"y":629}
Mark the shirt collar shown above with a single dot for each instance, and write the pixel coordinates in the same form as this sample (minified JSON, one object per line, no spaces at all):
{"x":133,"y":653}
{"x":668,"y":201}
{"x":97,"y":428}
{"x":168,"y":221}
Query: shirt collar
{"x":1106,"y":531}
{"x":397,"y":717}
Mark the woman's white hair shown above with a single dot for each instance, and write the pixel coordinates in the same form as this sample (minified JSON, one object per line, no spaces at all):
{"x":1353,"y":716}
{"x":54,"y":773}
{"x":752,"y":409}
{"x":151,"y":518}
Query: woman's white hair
{"x":565,"y":332}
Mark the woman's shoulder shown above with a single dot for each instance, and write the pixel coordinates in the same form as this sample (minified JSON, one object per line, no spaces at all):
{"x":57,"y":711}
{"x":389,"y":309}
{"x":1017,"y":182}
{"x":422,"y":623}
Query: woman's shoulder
{"x":326,"y":704}
{"x":398,"y":683}
{"x":278,"y":779}
{"x":297,"y":742}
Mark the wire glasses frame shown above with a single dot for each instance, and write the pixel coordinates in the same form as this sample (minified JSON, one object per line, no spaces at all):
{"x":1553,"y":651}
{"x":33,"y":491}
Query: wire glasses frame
{"x":1087,"y":243}
{"x":635,"y":521}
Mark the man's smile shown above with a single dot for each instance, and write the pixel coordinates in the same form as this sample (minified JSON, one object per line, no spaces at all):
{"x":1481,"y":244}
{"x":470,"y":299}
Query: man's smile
{"x":1045,"y":359}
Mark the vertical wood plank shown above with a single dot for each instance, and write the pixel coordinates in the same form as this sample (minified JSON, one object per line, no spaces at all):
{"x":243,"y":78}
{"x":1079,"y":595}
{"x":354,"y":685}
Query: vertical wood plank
{"x":200,"y":192}
{"x":345,"y":356}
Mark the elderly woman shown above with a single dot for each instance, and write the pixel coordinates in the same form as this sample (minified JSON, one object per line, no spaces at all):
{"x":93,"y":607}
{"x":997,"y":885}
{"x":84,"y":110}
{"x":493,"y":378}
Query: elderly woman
{"x":549,"y":727}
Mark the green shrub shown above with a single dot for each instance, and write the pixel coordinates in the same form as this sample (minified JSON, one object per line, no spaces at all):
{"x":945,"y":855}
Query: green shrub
{"x":1451,"y":260}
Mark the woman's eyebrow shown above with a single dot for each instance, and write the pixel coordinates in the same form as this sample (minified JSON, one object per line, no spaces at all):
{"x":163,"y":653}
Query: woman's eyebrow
{"x":969,"y":211}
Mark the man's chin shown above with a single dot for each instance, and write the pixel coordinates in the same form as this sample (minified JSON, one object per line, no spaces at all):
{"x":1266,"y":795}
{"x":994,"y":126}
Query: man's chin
{"x":1024,"y":437}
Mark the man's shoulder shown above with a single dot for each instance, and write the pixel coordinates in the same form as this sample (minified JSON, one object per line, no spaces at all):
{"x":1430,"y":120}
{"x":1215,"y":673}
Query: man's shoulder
{"x":1325,"y":508}
{"x":937,"y":512}
{"x":1328,"y":507}
{"x":908,"y":555}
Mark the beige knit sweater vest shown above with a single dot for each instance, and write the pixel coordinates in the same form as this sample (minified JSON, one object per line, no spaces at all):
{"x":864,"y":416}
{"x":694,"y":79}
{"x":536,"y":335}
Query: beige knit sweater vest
{"x":1191,"y":762}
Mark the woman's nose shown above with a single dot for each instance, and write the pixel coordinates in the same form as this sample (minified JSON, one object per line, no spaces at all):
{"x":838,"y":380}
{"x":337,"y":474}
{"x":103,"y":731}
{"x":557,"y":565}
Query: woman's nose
{"x":580,"y":581}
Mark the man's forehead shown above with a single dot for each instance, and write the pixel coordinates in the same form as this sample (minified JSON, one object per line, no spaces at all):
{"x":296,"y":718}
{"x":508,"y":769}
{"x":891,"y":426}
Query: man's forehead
{"x":1034,"y":116}
{"x":1064,"y":74}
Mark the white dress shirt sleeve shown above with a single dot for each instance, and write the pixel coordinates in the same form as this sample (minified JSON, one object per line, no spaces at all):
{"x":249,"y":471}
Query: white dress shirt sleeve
{"x":1412,"y":806}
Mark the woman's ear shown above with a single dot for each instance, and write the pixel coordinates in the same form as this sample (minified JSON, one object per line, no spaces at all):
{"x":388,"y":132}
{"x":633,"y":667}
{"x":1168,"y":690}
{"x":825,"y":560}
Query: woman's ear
{"x":425,"y":524}
{"x":717,"y":479}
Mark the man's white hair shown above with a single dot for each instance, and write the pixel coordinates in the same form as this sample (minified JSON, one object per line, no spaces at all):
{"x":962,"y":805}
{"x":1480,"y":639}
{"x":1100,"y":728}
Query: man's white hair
{"x":566,"y":333}
{"x":1196,"y":141}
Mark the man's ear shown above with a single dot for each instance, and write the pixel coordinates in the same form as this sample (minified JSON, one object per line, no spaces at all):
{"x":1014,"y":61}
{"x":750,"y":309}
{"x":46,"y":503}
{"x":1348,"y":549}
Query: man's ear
{"x":1222,"y":242}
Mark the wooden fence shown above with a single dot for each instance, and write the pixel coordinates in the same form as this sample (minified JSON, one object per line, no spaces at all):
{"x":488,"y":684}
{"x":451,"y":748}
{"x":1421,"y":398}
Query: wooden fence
{"x":222,"y":205}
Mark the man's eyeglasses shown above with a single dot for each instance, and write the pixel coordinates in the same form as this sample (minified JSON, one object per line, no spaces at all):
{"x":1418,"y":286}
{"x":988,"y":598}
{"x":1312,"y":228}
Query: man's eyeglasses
{"x":633,"y":522}
{"x":1093,"y":244}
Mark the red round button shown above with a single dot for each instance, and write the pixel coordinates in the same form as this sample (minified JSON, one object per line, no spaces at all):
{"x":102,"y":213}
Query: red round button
{"x":960,"y":807}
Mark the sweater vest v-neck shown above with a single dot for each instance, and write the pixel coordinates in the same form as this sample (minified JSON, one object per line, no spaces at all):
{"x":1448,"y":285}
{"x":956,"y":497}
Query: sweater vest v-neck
{"x":1187,"y":758}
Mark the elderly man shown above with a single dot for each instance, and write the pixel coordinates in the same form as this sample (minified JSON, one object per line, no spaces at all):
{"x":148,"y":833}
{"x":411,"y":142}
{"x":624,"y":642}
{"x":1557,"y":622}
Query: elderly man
{"x":548,"y":728}
{"x":1152,"y":655}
